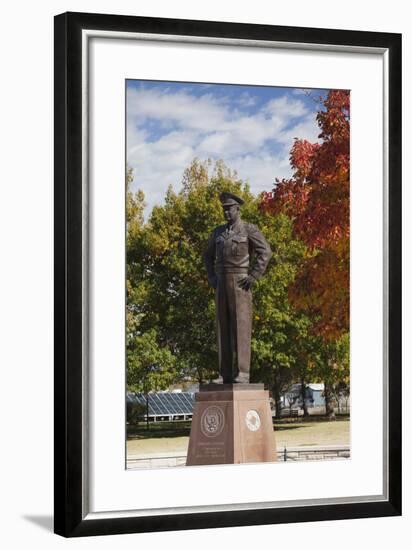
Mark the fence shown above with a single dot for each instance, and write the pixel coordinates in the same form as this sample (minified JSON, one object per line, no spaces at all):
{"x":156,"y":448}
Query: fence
{"x":330,"y":452}
{"x":295,"y":454}
{"x":318,"y":410}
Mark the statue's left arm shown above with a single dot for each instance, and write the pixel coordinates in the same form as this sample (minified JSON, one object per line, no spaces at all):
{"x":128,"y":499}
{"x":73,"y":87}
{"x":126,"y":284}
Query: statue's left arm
{"x":261,"y":250}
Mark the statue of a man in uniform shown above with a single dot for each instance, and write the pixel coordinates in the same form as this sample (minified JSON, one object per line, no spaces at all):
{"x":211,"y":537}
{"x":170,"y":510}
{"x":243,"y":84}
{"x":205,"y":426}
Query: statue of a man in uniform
{"x":237,"y":255}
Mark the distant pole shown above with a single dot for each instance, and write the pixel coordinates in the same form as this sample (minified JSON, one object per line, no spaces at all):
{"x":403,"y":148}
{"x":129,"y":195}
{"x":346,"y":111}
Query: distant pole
{"x":284,"y":455}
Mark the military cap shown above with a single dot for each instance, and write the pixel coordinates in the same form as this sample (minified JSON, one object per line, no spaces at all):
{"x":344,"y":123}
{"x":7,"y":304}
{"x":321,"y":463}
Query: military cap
{"x":228,"y":199}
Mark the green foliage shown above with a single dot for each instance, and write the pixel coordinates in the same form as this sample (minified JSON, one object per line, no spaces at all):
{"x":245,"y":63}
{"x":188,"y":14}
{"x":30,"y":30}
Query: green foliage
{"x":135,"y":412}
{"x":150,"y":366}
{"x":333,"y":367}
{"x":170,"y":307}
{"x":168,"y":287}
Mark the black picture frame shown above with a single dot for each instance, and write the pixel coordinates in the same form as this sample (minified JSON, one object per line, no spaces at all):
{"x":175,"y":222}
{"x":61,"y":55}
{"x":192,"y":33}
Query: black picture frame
{"x":70,"y":518}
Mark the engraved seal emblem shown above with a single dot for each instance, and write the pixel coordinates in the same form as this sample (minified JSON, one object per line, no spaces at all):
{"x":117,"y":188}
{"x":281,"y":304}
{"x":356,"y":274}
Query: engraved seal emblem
{"x":253,"y":420}
{"x":212,"y":421}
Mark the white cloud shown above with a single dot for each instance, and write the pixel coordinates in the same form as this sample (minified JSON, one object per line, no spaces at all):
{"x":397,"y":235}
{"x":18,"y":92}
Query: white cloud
{"x":246,"y":100}
{"x":302,"y":91}
{"x":186,"y":111}
{"x":261,"y":169}
{"x":209,"y":126}
{"x":286,"y":108}
{"x":305,"y":129}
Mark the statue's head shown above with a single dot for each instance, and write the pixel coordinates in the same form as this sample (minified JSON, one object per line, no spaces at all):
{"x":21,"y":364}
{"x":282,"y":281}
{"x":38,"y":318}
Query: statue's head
{"x":231,"y":206}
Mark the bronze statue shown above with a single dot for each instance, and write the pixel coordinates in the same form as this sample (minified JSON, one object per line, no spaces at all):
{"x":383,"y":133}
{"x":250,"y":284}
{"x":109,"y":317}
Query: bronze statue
{"x":230,"y":271}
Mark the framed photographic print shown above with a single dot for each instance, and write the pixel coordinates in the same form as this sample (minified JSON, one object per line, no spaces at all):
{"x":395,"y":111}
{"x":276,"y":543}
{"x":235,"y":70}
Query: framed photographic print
{"x":227,"y":274}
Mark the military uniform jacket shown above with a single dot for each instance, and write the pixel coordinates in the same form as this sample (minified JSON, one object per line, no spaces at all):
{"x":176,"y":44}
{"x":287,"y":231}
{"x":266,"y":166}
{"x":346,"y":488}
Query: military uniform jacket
{"x":240,"y":248}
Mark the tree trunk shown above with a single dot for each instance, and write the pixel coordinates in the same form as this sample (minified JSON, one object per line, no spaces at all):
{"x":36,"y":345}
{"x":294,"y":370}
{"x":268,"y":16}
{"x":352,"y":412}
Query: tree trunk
{"x":330,"y":411}
{"x":277,"y":400}
{"x":303,"y":394}
{"x":276,"y":395}
{"x":199,"y":376}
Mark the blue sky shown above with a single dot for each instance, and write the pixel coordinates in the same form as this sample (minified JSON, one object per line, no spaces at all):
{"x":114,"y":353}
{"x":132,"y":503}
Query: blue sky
{"x":250,"y":127}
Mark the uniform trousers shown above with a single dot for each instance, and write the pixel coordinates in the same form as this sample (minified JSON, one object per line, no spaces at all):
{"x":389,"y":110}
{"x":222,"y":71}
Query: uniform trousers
{"x":234,"y":326}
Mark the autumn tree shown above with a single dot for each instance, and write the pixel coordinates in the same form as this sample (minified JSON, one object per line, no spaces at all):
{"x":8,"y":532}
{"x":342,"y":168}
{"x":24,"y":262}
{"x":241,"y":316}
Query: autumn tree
{"x":281,"y":337}
{"x":333,"y":371}
{"x":317,"y":200}
{"x":134,"y":223}
{"x":150,"y":365}
{"x":170,"y":293}
{"x":171,"y":308}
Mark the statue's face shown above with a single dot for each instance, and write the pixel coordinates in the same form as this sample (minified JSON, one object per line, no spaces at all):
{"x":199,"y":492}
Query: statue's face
{"x":231,"y":213}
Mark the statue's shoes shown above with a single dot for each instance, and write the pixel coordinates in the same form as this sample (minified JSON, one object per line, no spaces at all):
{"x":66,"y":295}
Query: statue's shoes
{"x":241,"y":379}
{"x":221,"y":380}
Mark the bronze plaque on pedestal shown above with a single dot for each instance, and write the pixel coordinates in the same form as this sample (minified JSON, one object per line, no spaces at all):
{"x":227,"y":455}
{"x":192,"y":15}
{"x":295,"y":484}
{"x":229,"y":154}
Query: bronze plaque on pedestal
{"x":232,"y":424}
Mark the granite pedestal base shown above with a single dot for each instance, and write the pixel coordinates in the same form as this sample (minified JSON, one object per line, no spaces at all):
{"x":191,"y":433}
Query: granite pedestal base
{"x":232,"y":424}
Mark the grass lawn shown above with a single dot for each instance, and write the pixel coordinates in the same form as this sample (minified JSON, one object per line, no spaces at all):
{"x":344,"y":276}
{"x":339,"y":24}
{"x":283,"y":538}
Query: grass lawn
{"x":173,"y":437}
{"x":312,"y":432}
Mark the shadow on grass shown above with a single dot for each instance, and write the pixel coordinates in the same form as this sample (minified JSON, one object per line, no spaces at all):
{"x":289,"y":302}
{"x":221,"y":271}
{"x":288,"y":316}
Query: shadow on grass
{"x":288,"y":427}
{"x":280,"y":424}
{"x":159,"y":430}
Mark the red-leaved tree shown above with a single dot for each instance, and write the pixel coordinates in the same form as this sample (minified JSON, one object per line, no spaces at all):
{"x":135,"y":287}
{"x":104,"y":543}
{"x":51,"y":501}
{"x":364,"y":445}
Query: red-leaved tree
{"x":317,"y":199}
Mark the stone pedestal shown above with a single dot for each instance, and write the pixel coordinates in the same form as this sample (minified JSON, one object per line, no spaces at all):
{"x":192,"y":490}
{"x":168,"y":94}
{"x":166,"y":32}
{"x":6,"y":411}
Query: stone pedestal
{"x":232,"y":424}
